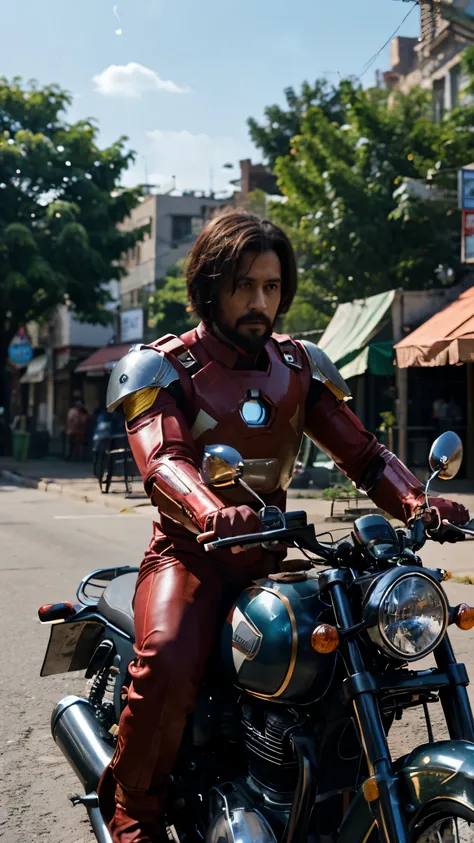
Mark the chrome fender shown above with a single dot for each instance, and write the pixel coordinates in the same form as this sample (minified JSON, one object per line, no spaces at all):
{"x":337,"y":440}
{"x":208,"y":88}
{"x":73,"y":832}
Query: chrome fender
{"x":431,"y":774}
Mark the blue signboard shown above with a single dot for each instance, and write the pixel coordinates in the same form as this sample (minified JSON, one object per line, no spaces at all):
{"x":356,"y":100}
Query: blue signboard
{"x":20,"y":351}
{"x":466,"y":188}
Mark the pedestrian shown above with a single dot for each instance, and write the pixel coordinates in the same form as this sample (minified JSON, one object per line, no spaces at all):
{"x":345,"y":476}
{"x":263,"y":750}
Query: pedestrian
{"x":75,"y":423}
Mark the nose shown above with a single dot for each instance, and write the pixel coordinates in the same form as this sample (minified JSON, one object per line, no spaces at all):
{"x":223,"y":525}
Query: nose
{"x":258,"y":303}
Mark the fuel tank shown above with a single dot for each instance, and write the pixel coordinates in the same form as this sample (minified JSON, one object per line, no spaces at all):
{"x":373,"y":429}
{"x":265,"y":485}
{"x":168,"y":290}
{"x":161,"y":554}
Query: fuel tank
{"x":266,"y":641}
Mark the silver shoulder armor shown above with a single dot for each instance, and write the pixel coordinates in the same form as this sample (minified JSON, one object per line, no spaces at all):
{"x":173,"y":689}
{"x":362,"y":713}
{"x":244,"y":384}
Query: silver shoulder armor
{"x":325,"y":371}
{"x":142,"y":367}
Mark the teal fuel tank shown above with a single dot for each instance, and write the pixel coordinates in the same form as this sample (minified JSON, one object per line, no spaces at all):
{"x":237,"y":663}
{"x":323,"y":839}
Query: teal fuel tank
{"x":266,"y":641}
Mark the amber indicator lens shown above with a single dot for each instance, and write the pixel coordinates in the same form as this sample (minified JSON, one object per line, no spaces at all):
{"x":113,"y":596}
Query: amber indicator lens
{"x":465,"y":616}
{"x":325,"y":638}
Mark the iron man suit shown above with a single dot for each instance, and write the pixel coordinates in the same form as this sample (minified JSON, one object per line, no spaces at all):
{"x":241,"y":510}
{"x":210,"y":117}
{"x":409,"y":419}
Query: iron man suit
{"x":179,"y":395}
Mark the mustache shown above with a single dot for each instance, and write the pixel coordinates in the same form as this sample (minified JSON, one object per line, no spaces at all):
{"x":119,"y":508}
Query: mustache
{"x":259,"y":318}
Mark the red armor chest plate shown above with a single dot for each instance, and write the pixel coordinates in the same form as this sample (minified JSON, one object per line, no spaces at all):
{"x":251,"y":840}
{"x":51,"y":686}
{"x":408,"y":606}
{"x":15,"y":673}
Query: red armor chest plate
{"x":260,"y":413}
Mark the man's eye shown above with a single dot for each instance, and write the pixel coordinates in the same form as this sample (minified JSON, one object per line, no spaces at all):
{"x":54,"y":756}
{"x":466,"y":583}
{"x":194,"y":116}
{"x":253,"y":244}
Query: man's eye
{"x":244,"y":285}
{"x":273,"y":287}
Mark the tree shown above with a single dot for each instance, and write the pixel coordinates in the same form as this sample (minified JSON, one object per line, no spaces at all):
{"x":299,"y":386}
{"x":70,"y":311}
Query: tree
{"x":370,"y":201}
{"x":167,"y":307}
{"x":60,"y":207}
{"x":273,"y":137}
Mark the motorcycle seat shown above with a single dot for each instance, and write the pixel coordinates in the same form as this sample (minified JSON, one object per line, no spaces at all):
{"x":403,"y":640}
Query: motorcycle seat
{"x":115,"y":603}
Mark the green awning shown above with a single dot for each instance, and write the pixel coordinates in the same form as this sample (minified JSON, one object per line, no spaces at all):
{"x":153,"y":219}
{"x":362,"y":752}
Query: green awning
{"x":347,"y":339}
{"x":376,"y":358}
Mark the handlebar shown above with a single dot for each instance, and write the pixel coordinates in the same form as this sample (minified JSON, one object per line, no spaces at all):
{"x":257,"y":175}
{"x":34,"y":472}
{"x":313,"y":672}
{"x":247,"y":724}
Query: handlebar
{"x":295,"y":532}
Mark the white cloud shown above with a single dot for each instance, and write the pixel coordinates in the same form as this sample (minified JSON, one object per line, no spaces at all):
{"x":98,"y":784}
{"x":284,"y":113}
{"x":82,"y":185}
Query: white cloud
{"x":190,"y":157}
{"x":132,"y":80}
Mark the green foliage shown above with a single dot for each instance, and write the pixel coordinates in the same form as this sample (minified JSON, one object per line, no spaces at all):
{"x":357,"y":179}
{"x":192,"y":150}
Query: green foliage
{"x":388,"y":420}
{"x":60,"y":203}
{"x":167,"y":307}
{"x":341,"y":490}
{"x":273,"y":137}
{"x":370,"y":195}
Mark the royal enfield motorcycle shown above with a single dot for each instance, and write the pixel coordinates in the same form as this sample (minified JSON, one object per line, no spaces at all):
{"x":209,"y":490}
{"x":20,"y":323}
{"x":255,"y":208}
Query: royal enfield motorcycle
{"x":288,"y":741}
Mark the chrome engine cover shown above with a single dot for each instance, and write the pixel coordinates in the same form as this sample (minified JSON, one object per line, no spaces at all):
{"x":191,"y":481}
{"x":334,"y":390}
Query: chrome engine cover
{"x":242,"y":825}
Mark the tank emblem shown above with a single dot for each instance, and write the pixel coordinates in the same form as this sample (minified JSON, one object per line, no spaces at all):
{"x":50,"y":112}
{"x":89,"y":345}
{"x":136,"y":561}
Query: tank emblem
{"x":246,"y":639}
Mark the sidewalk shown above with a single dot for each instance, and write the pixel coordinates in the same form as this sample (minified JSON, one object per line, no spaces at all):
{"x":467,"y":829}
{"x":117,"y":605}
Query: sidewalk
{"x":73,"y":479}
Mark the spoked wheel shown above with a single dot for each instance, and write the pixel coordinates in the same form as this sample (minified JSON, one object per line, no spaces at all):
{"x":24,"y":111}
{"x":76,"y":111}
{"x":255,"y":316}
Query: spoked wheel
{"x":450,"y":827}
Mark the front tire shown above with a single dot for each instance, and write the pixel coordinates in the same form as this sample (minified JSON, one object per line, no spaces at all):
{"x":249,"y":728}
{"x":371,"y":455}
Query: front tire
{"x":452,"y":823}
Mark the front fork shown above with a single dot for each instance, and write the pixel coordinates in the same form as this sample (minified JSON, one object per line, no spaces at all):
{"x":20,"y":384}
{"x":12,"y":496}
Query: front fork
{"x":454,"y":698}
{"x":384,"y":793}
{"x":385,"y":797}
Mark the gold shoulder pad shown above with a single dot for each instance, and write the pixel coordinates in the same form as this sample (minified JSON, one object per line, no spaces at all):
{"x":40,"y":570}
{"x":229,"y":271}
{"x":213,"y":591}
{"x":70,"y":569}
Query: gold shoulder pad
{"x":139,"y":402}
{"x":326,"y":372}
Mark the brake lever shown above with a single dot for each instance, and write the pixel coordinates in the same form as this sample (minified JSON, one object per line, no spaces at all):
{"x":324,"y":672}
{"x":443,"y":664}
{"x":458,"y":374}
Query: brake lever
{"x":464,"y":530}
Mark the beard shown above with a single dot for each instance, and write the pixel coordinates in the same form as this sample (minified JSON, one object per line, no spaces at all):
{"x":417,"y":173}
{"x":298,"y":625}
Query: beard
{"x":249,"y":343}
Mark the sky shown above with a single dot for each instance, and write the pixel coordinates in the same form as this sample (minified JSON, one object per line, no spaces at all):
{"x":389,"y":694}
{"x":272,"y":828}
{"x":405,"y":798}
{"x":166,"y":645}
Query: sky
{"x":181,"y":77}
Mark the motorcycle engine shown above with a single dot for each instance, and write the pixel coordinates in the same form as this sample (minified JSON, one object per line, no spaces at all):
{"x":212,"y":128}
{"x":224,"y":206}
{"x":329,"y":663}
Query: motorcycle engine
{"x":272,"y":765}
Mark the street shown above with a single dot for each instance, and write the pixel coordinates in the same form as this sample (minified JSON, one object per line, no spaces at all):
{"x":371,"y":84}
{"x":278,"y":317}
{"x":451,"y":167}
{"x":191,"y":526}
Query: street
{"x":49,"y":543}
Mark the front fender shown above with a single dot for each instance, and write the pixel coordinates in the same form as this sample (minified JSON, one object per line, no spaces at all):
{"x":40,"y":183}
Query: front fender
{"x":431,"y":773}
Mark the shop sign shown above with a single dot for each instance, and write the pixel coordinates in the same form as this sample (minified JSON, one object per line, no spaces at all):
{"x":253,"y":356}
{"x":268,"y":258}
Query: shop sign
{"x":467,"y":246}
{"x":466,"y":188}
{"x":131,"y":325}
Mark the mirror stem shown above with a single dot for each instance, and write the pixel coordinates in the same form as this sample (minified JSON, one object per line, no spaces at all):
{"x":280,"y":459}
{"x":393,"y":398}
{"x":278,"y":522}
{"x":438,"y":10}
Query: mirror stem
{"x":433,"y":477}
{"x":251,"y":491}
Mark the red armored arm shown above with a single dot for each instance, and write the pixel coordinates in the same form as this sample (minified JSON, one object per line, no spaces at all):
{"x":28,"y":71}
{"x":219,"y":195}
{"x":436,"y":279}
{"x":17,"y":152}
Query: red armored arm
{"x":164,"y":452}
{"x":165,"y":455}
{"x":334,"y":428}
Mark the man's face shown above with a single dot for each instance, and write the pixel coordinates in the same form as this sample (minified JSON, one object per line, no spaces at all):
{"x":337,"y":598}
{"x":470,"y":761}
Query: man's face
{"x":247,"y":314}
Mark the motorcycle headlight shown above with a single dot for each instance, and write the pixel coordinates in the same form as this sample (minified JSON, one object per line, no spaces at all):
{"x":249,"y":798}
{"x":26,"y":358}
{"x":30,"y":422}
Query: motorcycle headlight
{"x":412,"y":616}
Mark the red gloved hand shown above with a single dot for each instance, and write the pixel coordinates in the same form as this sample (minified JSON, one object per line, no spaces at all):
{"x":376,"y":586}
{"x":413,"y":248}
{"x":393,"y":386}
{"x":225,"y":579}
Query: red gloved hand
{"x":441,"y":510}
{"x":233,"y":521}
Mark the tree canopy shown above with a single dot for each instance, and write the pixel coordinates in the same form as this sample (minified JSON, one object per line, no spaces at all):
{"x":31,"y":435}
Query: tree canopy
{"x":273,"y":136}
{"x":60,"y":207}
{"x":370,"y":199}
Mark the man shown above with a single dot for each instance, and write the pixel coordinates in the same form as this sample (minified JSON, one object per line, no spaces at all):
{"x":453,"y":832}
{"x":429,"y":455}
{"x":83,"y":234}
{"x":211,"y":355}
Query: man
{"x":229,"y":381}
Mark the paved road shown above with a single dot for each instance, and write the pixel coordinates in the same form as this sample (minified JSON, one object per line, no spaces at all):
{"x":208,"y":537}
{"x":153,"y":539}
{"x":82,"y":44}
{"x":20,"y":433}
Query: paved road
{"x":48,"y":543}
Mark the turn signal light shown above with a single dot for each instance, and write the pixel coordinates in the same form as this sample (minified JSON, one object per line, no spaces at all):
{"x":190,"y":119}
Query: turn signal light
{"x":325,"y":638}
{"x":464,"y":616}
{"x":370,"y":789}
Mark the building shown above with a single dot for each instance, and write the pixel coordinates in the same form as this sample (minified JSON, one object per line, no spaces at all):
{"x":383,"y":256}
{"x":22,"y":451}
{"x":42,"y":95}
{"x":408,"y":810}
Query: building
{"x":433,"y":61}
{"x":254,"y":177}
{"x":360,"y":340}
{"x":50,"y":382}
{"x":175,"y":222}
{"x":438,"y":360}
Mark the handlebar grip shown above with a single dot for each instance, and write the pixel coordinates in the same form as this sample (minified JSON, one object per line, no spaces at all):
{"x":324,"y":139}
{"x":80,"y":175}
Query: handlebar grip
{"x":205,"y":537}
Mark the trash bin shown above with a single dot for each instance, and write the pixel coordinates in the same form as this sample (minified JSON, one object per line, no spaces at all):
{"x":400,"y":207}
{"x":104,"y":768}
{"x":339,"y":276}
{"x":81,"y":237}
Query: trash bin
{"x":20,"y":445}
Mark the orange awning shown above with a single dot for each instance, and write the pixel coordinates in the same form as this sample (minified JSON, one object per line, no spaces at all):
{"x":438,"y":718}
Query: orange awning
{"x":103,"y":360}
{"x":444,"y":340}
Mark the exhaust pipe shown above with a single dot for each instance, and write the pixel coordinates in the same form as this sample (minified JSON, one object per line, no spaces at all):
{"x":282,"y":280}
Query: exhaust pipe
{"x":85,"y":745}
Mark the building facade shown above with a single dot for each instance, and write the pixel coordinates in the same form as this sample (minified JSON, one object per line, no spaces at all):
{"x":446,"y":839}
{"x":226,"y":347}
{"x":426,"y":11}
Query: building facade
{"x":433,"y":61}
{"x":175,"y":222}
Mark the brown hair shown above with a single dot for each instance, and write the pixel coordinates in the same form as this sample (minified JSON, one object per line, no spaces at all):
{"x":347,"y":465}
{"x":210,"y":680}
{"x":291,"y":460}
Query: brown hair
{"x":217,"y":251}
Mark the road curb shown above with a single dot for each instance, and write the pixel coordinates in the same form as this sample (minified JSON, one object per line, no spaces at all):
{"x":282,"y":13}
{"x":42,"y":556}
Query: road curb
{"x":58,"y":489}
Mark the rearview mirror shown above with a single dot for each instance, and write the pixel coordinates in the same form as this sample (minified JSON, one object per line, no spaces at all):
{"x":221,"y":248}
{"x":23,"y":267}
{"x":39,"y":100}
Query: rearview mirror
{"x":446,"y":455}
{"x":221,"y":466}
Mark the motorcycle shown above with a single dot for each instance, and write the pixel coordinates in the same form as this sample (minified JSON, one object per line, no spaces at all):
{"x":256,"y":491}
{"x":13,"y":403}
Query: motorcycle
{"x":288,"y":740}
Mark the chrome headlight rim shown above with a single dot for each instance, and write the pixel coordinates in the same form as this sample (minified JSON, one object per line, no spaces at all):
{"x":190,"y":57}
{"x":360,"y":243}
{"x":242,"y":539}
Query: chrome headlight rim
{"x":379,"y":593}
